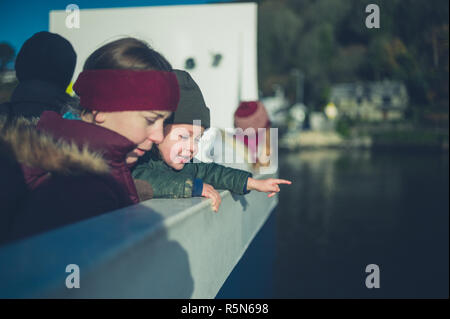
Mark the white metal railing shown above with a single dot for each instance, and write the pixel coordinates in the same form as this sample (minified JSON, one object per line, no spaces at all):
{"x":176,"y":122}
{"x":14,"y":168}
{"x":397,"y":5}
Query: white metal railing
{"x":161,"y":248}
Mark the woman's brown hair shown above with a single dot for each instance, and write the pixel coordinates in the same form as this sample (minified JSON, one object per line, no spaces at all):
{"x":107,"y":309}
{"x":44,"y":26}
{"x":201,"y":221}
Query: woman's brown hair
{"x":127,"y":53}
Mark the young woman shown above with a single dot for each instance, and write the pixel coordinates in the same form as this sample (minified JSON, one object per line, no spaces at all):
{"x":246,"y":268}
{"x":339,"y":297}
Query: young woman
{"x":81,"y":163}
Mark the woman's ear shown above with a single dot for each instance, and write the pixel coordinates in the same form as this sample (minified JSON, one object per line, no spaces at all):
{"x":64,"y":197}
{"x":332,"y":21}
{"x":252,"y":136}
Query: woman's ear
{"x":99,"y":117}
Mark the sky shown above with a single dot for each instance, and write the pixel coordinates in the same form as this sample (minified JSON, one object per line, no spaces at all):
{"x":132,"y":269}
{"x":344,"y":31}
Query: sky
{"x":20,"y":19}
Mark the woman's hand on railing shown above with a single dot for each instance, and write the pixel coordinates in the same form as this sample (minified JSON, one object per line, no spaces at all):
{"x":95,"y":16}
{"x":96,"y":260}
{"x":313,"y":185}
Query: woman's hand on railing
{"x":210,"y":192}
{"x":269,"y":185}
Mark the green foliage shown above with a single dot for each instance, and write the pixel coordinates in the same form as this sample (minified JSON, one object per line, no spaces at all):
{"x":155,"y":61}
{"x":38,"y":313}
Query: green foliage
{"x":6,"y":55}
{"x":414,"y":138}
{"x":329,"y":42}
{"x":344,"y":126}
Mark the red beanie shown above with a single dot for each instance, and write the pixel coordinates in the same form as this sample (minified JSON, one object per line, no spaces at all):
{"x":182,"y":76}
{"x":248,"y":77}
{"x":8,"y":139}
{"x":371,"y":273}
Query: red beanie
{"x":251,"y":114}
{"x":127,"y":90}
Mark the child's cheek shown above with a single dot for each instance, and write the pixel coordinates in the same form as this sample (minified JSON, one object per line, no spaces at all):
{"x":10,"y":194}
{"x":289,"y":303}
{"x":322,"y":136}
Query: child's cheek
{"x":195,"y":149}
{"x":175,"y":150}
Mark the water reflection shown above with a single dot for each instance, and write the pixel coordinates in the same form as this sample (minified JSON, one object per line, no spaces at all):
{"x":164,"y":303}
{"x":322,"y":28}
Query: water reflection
{"x":348,"y":209}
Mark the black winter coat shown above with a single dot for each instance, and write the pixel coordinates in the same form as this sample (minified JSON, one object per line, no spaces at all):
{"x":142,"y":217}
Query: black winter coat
{"x":31,"y":98}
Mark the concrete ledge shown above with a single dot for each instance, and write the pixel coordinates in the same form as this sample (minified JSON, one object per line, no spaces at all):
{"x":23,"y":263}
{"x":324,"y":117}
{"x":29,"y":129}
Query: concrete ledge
{"x":162,"y":248}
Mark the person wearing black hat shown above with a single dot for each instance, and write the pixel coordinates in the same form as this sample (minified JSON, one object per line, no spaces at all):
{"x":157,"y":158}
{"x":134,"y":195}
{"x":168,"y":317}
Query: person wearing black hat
{"x":168,"y":166}
{"x":44,"y":67}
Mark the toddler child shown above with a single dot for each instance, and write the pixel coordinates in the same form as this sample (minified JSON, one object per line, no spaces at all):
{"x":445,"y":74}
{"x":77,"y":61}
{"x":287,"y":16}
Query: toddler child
{"x":168,"y":169}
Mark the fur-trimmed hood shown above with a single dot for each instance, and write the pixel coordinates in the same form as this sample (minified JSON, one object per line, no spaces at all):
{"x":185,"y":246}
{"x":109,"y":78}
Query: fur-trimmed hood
{"x":69,"y":147}
{"x":38,"y":150}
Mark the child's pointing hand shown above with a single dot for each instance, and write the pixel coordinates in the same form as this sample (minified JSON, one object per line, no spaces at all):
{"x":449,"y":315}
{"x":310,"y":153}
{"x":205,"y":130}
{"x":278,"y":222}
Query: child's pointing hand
{"x":269,"y":185}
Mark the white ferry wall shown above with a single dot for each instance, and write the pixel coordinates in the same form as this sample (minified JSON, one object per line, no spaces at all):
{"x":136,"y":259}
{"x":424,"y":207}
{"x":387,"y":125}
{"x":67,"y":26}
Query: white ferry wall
{"x":179,"y":33}
{"x":161,"y":248}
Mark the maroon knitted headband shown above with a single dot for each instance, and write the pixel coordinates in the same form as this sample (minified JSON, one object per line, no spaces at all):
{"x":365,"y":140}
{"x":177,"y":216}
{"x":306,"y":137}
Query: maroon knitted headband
{"x":127,"y":90}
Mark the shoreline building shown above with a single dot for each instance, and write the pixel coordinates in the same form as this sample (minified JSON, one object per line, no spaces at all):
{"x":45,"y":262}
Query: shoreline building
{"x":371,"y":101}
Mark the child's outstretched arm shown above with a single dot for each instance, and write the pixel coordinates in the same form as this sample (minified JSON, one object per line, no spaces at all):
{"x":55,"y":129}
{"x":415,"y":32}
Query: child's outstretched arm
{"x":221,"y":177}
{"x":269,"y":185}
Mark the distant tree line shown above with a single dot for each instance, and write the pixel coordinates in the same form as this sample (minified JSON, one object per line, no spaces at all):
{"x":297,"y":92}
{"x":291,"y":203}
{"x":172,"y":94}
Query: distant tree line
{"x":329,"y":42}
{"x":7,"y":55}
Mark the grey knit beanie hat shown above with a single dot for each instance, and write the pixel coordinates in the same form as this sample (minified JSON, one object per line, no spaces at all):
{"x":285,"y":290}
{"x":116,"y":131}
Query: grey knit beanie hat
{"x":192,"y":105}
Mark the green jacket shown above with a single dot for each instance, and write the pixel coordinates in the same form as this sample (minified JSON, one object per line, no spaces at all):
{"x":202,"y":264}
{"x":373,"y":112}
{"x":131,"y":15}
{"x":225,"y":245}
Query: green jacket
{"x":188,"y":182}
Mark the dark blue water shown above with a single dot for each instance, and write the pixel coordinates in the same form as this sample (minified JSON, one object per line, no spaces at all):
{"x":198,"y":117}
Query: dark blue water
{"x":345,"y":210}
